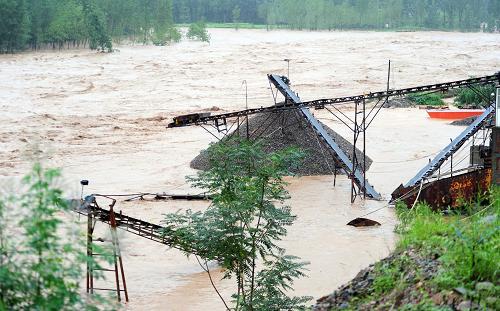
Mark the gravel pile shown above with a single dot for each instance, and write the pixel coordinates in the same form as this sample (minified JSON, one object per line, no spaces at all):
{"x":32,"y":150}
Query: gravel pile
{"x":464,"y":122}
{"x":294,"y":132}
{"x":399,"y":102}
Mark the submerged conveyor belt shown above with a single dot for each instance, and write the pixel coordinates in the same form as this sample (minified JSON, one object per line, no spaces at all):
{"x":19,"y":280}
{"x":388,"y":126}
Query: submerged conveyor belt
{"x":453,"y":147}
{"x":342,"y":158}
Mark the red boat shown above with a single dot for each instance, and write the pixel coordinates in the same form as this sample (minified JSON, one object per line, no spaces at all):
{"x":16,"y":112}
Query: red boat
{"x":457,"y":114}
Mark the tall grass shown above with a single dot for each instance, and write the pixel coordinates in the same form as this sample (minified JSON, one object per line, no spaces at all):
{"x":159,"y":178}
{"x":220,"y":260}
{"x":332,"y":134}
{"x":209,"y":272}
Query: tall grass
{"x":467,"y":243}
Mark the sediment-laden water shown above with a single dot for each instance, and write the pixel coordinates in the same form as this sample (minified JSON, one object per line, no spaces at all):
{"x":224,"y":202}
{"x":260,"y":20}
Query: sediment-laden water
{"x":102,"y":117}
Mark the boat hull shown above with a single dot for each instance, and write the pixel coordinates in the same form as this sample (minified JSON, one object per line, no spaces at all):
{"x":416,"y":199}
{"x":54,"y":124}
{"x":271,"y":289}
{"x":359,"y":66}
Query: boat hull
{"x":454,"y":114}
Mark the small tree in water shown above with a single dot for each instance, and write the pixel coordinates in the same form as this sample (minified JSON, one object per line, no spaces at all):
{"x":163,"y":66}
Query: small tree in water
{"x":198,"y":31}
{"x":242,"y":226}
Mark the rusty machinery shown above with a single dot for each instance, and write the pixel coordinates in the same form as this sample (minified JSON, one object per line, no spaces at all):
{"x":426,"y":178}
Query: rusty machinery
{"x":358,"y":124}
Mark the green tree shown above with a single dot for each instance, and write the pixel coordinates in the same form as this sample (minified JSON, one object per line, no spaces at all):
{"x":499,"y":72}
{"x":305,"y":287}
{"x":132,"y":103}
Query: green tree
{"x":98,"y":36}
{"x":198,"y":31}
{"x":40,"y":258}
{"x":13,"y":25}
{"x":478,"y":96}
{"x":236,"y":16}
{"x":244,"y":223}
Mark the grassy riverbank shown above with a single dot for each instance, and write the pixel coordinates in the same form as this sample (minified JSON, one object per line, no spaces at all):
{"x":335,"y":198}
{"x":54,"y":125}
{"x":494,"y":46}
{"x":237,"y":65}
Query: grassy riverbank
{"x":441,"y":262}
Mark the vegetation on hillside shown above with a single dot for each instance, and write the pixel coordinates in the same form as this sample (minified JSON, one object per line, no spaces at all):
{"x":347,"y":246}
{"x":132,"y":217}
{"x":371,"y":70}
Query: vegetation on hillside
{"x":242,"y":227}
{"x":440,"y":263}
{"x":41,"y":258}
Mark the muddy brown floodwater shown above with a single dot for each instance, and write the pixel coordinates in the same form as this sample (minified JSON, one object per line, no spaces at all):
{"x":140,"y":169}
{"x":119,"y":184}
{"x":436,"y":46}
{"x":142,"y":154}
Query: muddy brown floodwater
{"x":102,"y":117}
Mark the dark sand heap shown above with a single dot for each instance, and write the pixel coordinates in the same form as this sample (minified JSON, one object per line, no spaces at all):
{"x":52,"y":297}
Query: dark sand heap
{"x":294,"y":132}
{"x":464,"y":122}
{"x":399,"y":102}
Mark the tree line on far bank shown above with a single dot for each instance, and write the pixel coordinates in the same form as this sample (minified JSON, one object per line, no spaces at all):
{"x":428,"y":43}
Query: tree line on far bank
{"x":39,"y":24}
{"x":58,"y":23}
{"x":345,"y":14}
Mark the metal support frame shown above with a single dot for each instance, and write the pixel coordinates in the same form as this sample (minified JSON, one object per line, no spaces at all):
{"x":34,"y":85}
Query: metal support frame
{"x":350,"y":165}
{"x":201,"y":119}
{"x":117,"y":257}
{"x":354,"y":167}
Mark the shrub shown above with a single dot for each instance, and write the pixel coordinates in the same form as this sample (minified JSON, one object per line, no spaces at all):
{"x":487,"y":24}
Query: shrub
{"x":40,"y":258}
{"x":198,"y":31}
{"x":429,"y":99}
{"x":466,"y":97}
{"x":467,"y":246}
{"x":167,"y":36}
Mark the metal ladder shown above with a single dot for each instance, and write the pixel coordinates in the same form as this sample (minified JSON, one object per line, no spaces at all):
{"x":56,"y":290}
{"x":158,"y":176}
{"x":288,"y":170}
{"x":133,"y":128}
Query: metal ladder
{"x":117,"y":268}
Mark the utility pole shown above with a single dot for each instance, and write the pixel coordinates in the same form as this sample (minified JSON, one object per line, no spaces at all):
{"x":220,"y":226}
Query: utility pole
{"x":246,"y":105}
{"x":288,"y":63}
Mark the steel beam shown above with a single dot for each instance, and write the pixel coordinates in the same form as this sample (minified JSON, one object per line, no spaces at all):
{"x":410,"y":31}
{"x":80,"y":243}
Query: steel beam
{"x":203,"y":118}
{"x":342,"y":158}
{"x":452,"y":147}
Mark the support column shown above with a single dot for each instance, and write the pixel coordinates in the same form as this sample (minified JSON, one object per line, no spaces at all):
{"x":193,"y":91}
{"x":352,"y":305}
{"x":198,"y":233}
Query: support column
{"x":495,"y":155}
{"x":495,"y":142}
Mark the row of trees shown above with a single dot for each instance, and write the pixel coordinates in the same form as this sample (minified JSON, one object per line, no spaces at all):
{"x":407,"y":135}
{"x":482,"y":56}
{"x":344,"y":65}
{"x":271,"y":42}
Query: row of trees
{"x":342,"y":14}
{"x":55,"y":23}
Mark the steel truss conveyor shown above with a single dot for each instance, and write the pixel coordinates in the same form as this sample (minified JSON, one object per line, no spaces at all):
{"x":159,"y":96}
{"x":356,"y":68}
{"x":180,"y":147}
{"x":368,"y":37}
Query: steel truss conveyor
{"x":453,"y":147}
{"x":202,"y":118}
{"x":133,"y":225}
{"x":338,"y":153}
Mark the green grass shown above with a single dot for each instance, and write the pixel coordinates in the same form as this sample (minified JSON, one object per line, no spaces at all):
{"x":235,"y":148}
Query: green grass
{"x":230,"y":25}
{"x":465,"y":244}
{"x":427,"y":99}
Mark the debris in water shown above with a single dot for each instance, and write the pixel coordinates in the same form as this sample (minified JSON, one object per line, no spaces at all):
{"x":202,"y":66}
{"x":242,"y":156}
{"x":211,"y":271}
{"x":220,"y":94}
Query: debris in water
{"x":363,"y":222}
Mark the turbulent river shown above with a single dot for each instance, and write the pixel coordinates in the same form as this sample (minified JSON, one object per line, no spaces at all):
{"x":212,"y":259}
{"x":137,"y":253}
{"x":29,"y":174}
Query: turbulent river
{"x":102,"y":117}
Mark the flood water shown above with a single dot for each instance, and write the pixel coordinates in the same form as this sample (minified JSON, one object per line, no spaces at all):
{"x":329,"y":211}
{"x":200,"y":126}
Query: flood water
{"x":102,"y":117}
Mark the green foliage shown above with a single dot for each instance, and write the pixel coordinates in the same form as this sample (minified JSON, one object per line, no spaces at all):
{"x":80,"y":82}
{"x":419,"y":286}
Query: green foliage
{"x":40,"y":261}
{"x":389,"y":276}
{"x":56,"y":24}
{"x":345,"y":14}
{"x":98,"y":36}
{"x":13,"y":25}
{"x":422,"y":228}
{"x":242,"y":226}
{"x":167,"y":36}
{"x":467,"y":97}
{"x":436,"y":254}
{"x":198,"y":31}
{"x":467,"y":246}
{"x":428,"y":99}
